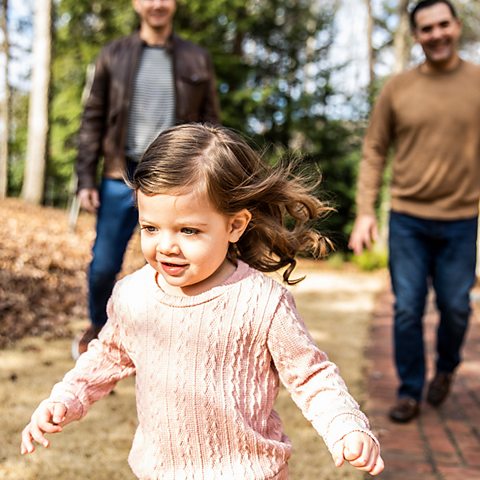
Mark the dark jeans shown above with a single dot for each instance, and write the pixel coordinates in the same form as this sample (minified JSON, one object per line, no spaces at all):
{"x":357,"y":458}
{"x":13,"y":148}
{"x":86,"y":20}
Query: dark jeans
{"x":116,"y":221}
{"x":423,"y":253}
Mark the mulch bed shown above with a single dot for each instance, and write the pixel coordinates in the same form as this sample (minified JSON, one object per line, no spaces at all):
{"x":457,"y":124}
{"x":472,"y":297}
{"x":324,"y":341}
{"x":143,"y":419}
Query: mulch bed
{"x":42,"y":270}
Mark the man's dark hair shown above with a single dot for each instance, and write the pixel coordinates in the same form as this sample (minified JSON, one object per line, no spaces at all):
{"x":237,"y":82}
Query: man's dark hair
{"x":428,"y":3}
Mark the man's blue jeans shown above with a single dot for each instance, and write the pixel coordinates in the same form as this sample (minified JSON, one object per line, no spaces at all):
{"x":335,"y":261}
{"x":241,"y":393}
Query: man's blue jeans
{"x":116,"y":221}
{"x":442,"y":254}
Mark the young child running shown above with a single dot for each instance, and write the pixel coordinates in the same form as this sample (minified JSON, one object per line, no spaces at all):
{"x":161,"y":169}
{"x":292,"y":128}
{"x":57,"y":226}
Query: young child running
{"x":207,"y":334}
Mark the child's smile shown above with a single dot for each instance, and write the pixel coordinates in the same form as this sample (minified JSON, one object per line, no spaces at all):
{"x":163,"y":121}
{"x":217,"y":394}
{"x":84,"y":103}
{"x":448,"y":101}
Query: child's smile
{"x":173,"y":269}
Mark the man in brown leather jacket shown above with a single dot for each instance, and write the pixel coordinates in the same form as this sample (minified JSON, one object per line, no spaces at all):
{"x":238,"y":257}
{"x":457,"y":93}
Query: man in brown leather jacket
{"x":142,"y":84}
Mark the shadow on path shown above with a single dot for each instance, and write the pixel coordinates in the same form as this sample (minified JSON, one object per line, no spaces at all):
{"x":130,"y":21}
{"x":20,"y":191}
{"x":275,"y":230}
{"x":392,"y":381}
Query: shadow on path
{"x":443,"y":443}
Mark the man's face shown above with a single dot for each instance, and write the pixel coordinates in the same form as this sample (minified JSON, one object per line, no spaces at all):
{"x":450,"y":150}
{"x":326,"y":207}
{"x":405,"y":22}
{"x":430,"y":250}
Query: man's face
{"x":437,"y":31}
{"x":157,"y":14}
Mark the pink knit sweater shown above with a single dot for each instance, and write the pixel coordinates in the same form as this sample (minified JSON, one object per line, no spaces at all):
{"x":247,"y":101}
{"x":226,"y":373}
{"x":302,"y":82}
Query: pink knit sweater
{"x":207,"y":374}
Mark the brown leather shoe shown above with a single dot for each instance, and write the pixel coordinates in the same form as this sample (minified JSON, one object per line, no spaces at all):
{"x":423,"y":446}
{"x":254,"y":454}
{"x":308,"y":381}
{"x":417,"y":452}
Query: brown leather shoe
{"x":439,"y":388}
{"x":404,"y":410}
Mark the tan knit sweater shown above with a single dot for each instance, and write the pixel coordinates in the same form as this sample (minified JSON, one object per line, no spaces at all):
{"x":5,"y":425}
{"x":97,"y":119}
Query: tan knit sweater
{"x":207,"y":375}
{"x":433,"y":123}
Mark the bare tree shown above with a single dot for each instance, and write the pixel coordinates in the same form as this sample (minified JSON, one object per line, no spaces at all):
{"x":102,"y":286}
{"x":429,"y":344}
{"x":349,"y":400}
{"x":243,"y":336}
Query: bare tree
{"x":371,"y":51}
{"x":4,"y":102}
{"x":401,"y":39}
{"x":35,"y":163}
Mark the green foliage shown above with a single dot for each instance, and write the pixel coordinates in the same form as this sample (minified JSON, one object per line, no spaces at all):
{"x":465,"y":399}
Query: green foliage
{"x":334,"y":152}
{"x":469,"y":13}
{"x":275,"y":86}
{"x":18,"y":140}
{"x":368,"y":260}
{"x":81,"y":29}
{"x":336,"y":260}
{"x":274,"y":82}
{"x":374,"y":259}
{"x":273,"y":78}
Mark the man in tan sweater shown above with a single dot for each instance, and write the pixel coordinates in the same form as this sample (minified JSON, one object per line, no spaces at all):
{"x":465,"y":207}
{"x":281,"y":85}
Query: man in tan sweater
{"x":430,"y":115}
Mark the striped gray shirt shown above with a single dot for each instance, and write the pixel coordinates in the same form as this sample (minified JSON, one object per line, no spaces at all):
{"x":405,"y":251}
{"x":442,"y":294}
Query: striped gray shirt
{"x":152,"y":108}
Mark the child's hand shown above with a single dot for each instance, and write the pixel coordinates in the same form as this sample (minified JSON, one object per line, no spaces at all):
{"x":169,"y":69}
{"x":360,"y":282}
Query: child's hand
{"x":45,"y":419}
{"x":360,"y":450}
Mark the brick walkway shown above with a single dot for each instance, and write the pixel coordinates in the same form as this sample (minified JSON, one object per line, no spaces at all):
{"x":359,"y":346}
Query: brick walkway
{"x":443,"y":443}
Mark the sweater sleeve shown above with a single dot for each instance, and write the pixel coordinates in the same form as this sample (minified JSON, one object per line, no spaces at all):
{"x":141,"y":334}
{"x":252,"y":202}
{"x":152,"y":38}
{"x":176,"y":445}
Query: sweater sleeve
{"x":376,"y":145}
{"x":97,"y":370}
{"x":312,"y":380}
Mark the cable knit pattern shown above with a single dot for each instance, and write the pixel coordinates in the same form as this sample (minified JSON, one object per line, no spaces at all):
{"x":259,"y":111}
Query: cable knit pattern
{"x":207,"y":375}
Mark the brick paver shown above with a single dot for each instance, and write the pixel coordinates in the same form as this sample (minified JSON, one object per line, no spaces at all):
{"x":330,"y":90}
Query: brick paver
{"x":443,"y":443}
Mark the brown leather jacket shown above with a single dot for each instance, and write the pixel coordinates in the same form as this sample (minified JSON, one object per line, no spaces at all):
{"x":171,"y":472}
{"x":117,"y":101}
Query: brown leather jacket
{"x":104,"y":121}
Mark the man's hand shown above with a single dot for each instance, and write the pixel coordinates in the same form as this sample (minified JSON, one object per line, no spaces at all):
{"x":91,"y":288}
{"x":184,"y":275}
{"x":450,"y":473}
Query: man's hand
{"x":360,"y":451}
{"x":45,"y":419}
{"x":365,"y":232}
{"x":89,"y":199}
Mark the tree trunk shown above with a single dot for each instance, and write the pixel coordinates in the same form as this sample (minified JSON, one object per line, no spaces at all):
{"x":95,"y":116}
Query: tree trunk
{"x":370,"y":53}
{"x":35,"y":163}
{"x":401,"y":39}
{"x":4,"y":103}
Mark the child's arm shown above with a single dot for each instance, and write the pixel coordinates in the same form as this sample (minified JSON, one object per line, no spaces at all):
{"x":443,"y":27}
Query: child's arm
{"x":106,"y":362}
{"x":47,"y":418}
{"x":360,"y":451}
{"x":316,"y":385}
{"x":95,"y":374}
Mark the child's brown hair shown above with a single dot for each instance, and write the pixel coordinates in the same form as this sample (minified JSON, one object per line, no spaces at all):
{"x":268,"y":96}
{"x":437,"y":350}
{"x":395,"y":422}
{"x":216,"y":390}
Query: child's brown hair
{"x":217,"y":161}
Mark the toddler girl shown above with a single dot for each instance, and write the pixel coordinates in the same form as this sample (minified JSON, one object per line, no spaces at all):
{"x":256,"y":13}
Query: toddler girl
{"x":208,"y":336}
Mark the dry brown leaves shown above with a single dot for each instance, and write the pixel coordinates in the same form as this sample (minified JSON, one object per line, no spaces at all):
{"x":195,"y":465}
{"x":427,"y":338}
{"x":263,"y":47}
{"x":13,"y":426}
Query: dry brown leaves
{"x":42,"y":270}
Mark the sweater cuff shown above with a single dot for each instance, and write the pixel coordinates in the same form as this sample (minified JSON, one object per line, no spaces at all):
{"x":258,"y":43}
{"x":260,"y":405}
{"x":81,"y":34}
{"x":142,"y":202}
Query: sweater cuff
{"x":345,"y":423}
{"x":75,"y":409}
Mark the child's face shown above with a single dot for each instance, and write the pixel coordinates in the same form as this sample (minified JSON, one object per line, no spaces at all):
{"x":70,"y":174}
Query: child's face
{"x":186,"y":240}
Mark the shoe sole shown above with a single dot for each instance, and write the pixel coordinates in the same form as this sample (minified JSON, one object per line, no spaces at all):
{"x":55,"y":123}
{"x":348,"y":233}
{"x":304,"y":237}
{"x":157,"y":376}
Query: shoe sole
{"x":403,"y":420}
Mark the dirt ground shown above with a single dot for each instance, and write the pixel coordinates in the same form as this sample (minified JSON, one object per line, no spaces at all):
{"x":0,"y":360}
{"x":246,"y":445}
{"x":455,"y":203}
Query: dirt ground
{"x":43,"y":304}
